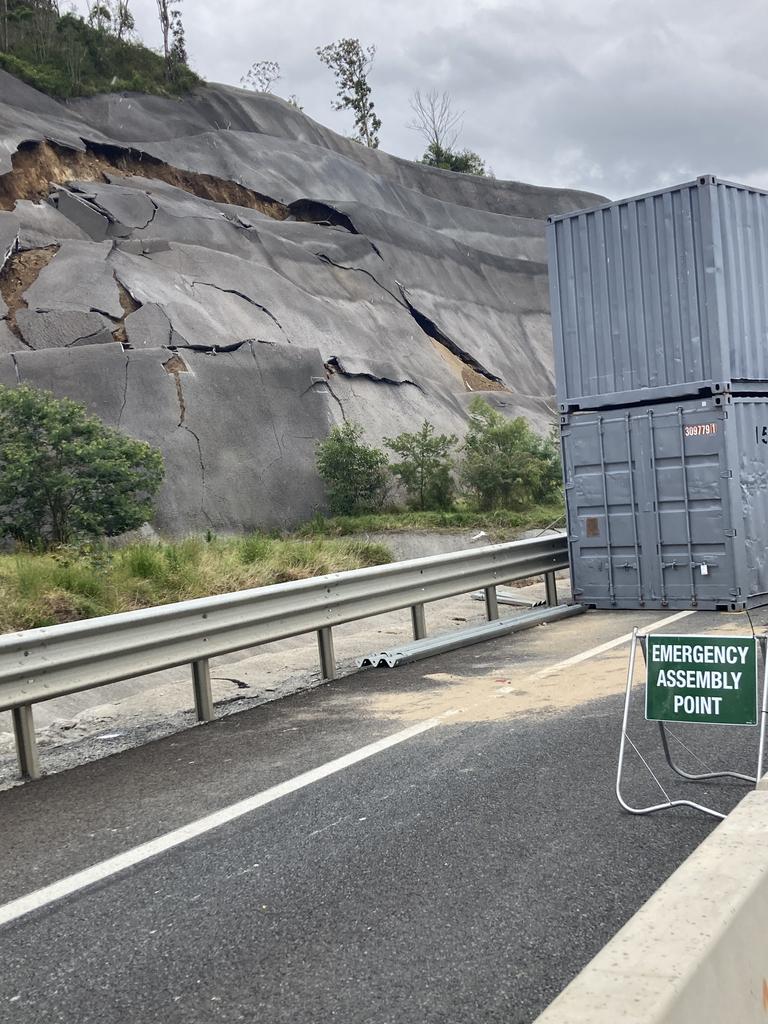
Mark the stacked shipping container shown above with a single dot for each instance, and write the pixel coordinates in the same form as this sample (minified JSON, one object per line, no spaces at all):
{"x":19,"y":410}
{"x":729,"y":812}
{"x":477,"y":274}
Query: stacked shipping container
{"x":660,"y":323}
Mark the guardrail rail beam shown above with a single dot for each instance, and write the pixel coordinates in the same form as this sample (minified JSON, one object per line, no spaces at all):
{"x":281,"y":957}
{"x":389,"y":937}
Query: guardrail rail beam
{"x":53,"y":661}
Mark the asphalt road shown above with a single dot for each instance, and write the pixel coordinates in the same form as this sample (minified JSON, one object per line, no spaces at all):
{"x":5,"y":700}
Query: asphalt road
{"x":463,"y":873}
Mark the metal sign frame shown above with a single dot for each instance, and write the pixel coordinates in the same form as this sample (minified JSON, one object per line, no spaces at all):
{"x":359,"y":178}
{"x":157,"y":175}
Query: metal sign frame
{"x":638,"y":639}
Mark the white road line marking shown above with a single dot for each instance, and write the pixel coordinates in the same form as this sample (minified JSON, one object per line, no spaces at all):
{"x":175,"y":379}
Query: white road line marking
{"x":586,"y":655}
{"x":106,"y":868}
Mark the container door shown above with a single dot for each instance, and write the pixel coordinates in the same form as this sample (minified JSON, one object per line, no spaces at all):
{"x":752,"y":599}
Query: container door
{"x":602,"y":499}
{"x":648,"y":510}
{"x":688,"y":477}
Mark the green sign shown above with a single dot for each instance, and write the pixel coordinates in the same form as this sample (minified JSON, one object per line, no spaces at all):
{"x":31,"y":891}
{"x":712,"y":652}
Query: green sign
{"x":709,"y":679}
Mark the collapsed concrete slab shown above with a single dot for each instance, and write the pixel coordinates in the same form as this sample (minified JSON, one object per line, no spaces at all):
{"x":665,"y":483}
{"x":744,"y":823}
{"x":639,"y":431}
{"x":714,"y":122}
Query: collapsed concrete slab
{"x":62,"y":329}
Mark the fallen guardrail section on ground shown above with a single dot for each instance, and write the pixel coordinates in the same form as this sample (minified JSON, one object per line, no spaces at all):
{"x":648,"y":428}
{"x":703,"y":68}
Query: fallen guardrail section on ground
{"x":404,"y":654}
{"x":695,"y":953}
{"x":52,"y":661}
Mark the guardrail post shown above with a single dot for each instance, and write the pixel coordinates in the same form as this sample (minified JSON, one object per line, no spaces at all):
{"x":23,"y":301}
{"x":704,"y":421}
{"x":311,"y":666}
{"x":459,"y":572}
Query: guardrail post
{"x":491,"y":603}
{"x":550,"y":584}
{"x":418,"y":621}
{"x":26,"y":742}
{"x":325,"y":650}
{"x":201,"y":683}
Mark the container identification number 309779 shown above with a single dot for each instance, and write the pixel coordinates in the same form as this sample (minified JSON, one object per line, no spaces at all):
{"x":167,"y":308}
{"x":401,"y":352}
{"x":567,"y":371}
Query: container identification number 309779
{"x":700,"y":430}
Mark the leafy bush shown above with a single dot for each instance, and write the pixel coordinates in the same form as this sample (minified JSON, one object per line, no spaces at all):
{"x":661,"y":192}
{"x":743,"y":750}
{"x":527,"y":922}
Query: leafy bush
{"x":465,"y":161}
{"x":506,"y":464}
{"x":63,"y":55}
{"x":425,"y":466}
{"x":64,"y":474}
{"x":354,"y":473}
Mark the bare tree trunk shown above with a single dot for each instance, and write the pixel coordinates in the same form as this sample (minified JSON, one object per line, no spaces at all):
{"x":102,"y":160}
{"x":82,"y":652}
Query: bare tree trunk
{"x":164,"y":13}
{"x":4,"y":24}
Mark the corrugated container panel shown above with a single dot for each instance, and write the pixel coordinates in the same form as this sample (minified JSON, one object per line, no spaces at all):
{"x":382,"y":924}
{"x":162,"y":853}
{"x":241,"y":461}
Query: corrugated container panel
{"x":668,"y":504}
{"x":741,"y":221}
{"x":661,"y":295}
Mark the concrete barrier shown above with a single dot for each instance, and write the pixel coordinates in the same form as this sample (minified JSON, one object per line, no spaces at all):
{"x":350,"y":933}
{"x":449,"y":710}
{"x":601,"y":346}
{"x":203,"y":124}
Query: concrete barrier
{"x":697,"y":951}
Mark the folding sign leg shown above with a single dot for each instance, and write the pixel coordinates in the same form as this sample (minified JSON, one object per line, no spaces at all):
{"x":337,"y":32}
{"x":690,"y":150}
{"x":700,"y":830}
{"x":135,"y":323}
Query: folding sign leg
{"x":690,"y":776}
{"x":625,"y":738}
{"x":763,"y":711}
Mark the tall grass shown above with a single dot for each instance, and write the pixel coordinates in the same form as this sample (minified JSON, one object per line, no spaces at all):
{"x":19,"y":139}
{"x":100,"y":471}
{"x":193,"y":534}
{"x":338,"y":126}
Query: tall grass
{"x":501,"y":522}
{"x":69,"y":584}
{"x":78,"y":583}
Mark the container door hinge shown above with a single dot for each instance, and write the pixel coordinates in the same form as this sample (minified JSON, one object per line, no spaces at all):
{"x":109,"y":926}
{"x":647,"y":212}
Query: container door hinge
{"x":727,"y":475}
{"x":729,"y":533}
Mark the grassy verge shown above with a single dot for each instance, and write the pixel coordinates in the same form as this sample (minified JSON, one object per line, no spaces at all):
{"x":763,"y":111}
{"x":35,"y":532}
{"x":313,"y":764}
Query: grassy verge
{"x":80,"y":583}
{"x":500,"y":524}
{"x":42,"y":589}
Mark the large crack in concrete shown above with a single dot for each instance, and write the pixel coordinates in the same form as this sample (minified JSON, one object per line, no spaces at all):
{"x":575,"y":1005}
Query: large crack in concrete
{"x":38,"y":165}
{"x":129,"y":305}
{"x":246,"y":298}
{"x":430,"y":328}
{"x":325,"y":258}
{"x":174,"y":367}
{"x":336,"y":365}
{"x":489,"y":381}
{"x":125,"y":391}
{"x":336,"y":399}
{"x":310,"y":211}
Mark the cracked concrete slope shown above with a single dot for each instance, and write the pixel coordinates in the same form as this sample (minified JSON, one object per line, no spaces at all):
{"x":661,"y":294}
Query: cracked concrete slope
{"x":209,"y":417}
{"x":225,"y":278}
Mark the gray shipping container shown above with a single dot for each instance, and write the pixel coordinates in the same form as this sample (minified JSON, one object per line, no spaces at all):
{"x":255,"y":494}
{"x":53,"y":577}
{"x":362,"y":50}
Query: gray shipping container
{"x":660,"y":296}
{"x":668,"y":504}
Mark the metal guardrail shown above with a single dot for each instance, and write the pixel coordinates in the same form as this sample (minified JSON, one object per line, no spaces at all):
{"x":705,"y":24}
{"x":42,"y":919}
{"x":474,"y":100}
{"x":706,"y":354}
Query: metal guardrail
{"x":52,"y":661}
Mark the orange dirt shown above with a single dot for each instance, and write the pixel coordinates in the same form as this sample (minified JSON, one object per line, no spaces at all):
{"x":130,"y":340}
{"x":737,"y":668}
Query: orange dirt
{"x":472,"y":380}
{"x":19,"y":273}
{"x":38,"y":165}
{"x":130,"y":305}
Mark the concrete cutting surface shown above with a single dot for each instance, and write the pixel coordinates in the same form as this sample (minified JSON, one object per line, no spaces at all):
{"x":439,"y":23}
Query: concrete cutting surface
{"x":433,"y":843}
{"x":299,"y":278}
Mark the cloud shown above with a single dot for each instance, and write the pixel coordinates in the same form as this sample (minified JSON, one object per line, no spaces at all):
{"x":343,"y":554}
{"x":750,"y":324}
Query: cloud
{"x":606,"y":95}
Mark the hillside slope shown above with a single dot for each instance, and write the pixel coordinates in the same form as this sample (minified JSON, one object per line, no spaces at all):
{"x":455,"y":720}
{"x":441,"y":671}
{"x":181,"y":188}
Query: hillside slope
{"x":227,"y":279}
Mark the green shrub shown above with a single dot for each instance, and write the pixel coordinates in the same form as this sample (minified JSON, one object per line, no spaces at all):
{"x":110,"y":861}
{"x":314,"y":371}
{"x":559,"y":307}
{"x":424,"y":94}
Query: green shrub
{"x":425,"y":466}
{"x":64,"y":474}
{"x":507,"y":465}
{"x":354,"y":473}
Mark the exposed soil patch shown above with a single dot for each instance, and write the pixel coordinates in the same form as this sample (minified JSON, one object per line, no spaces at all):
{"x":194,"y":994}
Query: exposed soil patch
{"x":38,"y":165}
{"x":20,"y":273}
{"x":471,"y":378}
{"x":174,"y":366}
{"x":130,"y":305}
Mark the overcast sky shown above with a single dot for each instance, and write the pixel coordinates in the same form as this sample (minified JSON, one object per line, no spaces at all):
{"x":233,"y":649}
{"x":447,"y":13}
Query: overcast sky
{"x":614,"y":96}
